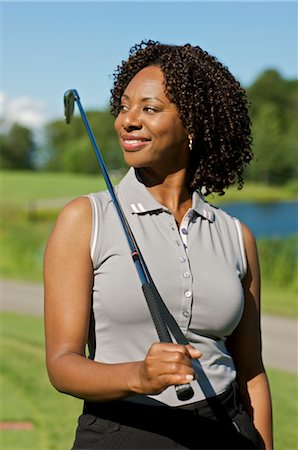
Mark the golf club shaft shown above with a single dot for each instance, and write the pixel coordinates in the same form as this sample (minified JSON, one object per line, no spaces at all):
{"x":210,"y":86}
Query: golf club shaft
{"x":151,"y":294}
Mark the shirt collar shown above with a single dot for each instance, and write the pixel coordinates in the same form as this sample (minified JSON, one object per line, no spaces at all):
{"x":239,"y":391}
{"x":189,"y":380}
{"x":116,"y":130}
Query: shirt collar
{"x":201,"y":206}
{"x":138,"y":199}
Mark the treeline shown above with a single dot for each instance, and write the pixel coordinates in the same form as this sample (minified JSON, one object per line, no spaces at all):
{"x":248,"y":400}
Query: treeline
{"x":18,"y":148}
{"x":273,"y":111}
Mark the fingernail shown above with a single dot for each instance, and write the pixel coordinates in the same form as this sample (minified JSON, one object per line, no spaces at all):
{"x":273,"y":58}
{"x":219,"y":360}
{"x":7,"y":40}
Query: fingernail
{"x":189,"y":377}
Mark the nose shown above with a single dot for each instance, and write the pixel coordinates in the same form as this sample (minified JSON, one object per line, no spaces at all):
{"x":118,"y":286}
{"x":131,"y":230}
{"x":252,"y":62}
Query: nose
{"x":131,"y":120}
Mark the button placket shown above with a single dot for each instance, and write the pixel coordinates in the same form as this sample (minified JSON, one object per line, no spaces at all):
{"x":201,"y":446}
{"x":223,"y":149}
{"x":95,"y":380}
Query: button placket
{"x":177,"y":237}
{"x":183,"y":229}
{"x":187,"y":295}
{"x":187,"y":278}
{"x":180,"y":239}
{"x":186,"y":308}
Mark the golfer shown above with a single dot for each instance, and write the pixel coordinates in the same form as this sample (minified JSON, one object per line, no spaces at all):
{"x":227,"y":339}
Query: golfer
{"x":184,"y":130}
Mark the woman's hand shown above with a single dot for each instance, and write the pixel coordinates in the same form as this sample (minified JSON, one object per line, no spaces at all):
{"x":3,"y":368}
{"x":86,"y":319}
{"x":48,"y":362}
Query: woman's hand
{"x":166,"y":364}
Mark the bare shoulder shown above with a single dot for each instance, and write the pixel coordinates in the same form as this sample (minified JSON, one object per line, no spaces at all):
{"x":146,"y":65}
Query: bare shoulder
{"x":247,"y":233}
{"x":251,"y":254}
{"x":75,"y":216}
{"x":249,"y":239}
{"x":74,"y":223}
{"x":76,"y":211}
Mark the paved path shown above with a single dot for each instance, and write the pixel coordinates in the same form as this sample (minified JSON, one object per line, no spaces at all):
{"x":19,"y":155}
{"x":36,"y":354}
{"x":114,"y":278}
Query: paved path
{"x":279,"y":334}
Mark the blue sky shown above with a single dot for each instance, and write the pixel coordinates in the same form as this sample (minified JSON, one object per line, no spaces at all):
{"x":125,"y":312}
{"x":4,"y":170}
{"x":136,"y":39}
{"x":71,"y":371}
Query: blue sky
{"x":49,"y":47}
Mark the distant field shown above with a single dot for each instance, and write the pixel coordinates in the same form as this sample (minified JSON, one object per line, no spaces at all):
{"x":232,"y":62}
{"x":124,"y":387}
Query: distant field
{"x":27,"y":396}
{"x":20,"y":188}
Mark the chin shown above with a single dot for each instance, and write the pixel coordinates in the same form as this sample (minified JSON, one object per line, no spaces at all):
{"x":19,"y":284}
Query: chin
{"x":136,"y":162}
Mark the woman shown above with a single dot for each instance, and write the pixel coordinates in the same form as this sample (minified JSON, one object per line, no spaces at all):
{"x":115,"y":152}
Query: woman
{"x":183,"y":126}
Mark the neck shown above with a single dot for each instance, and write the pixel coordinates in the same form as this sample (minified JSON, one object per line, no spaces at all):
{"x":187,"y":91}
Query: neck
{"x":170,"y":190}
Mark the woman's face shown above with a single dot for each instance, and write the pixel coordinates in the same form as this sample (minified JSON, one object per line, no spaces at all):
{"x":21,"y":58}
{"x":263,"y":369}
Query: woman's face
{"x":148,"y":125}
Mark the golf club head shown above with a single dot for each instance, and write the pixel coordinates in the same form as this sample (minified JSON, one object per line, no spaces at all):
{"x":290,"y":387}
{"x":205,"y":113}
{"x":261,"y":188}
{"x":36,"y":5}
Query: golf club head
{"x":69,"y":101}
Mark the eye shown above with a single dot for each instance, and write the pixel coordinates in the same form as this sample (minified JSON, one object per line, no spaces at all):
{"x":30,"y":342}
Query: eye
{"x":123,"y":107}
{"x":150,"y":109}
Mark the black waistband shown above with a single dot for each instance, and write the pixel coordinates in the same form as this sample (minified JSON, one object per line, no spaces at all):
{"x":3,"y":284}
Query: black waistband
{"x":222,"y":407}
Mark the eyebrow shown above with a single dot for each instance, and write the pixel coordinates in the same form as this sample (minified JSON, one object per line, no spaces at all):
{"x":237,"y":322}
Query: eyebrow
{"x":145,"y":99}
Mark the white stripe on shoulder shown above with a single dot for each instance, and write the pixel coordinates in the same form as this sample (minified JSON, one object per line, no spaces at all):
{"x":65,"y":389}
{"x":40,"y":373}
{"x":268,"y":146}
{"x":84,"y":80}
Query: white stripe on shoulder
{"x":241,"y":245}
{"x":134,"y":208}
{"x":95,"y":225}
{"x":142,"y":209}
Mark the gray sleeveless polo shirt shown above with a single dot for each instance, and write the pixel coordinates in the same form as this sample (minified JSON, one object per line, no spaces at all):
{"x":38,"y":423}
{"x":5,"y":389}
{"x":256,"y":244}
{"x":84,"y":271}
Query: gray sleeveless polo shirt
{"x":197,"y":269}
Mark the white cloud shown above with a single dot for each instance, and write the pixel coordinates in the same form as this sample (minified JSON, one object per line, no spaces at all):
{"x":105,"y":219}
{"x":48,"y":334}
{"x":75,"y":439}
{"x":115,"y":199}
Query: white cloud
{"x":23,"y":110}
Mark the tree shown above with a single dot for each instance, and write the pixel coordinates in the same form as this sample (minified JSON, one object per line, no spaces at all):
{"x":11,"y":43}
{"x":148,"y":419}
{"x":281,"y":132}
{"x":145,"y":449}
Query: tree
{"x":273,"y":111}
{"x":17,"y":148}
{"x":71,"y":149}
{"x":274,"y":150}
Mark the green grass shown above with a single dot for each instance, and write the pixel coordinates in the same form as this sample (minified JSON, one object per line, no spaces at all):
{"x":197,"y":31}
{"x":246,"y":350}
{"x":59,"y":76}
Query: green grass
{"x":279,"y":301}
{"x":285,"y":409}
{"x":22,"y":243}
{"x":21,"y":189}
{"x":26,"y":394}
{"x":255,"y":192}
{"x":279,"y":273}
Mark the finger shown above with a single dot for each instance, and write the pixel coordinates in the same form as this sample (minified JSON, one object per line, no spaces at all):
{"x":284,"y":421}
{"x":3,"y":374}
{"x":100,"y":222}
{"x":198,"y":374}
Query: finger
{"x":194,"y":353}
{"x":176,"y":379}
{"x":188,"y":350}
{"x":179,"y":353}
{"x":170,"y":359}
{"x":174,"y":368}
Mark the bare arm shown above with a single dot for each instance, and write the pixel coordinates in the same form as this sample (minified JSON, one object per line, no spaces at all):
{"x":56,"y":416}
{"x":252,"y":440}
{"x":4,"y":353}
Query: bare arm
{"x":246,"y":348}
{"x":68,"y":280}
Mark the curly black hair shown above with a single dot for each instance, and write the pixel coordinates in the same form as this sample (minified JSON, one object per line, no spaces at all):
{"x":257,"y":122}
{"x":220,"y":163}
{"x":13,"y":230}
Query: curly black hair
{"x":213,"y":108}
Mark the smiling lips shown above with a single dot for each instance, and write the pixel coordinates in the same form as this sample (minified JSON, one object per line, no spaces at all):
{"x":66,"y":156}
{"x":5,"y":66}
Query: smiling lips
{"x":133,"y":143}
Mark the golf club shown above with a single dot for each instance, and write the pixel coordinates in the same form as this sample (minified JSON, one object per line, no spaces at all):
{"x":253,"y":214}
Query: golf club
{"x":154,"y":301}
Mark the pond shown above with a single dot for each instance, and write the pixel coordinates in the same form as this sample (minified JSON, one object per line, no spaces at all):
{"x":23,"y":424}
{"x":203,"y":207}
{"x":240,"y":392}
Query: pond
{"x":267,"y":220}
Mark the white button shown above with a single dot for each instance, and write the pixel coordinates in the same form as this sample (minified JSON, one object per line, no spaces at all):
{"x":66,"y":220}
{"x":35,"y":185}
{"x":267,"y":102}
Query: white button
{"x":187,"y":294}
{"x":186,"y":274}
{"x":184,"y":231}
{"x":186,"y":314}
{"x":182,"y":258}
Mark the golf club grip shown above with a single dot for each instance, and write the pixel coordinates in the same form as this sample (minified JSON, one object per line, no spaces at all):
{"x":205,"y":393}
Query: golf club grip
{"x":153,"y":305}
{"x":184,"y":391}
